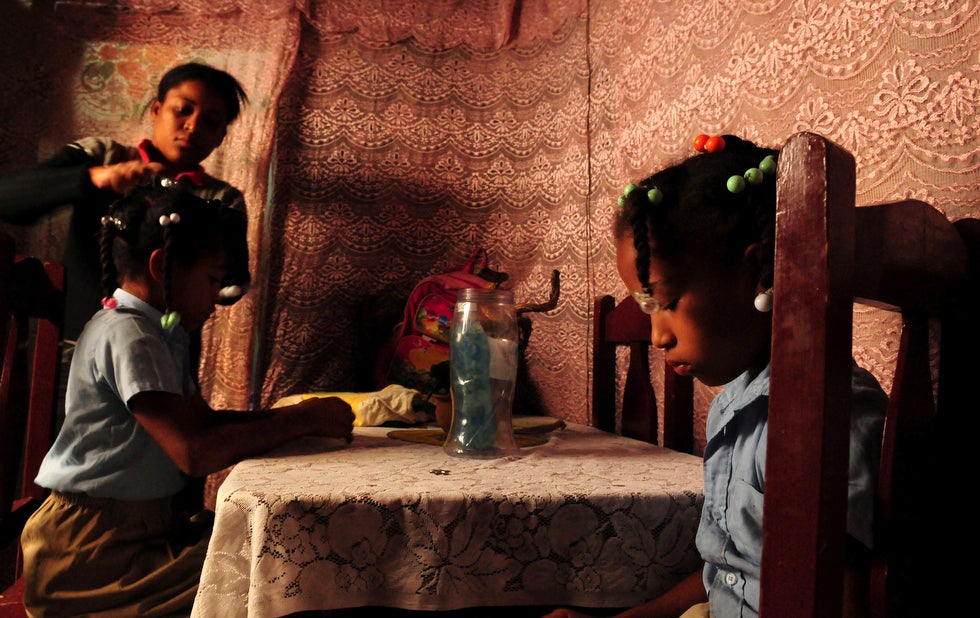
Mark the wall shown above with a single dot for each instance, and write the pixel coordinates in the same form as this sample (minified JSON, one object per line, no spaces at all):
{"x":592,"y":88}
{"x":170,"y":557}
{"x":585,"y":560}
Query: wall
{"x":397,"y":154}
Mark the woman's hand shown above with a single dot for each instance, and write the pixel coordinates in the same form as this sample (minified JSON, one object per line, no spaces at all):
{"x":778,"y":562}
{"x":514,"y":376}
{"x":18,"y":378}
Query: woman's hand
{"x":121,"y":177}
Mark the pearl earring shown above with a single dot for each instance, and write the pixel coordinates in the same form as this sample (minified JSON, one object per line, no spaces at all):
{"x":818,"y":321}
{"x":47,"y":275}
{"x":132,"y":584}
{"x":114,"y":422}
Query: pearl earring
{"x":763,"y":301}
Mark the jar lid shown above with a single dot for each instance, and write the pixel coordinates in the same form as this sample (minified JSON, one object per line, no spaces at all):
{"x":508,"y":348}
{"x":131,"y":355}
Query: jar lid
{"x":492,"y":295}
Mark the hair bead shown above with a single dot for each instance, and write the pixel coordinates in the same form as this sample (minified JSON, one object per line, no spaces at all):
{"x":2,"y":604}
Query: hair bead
{"x":110,"y":221}
{"x":709,"y":143}
{"x":768,"y":165}
{"x":166,"y":220}
{"x":736,"y":183}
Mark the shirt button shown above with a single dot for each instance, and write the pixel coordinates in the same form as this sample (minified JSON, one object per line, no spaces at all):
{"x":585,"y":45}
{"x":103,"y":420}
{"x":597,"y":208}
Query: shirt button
{"x":730,"y":579}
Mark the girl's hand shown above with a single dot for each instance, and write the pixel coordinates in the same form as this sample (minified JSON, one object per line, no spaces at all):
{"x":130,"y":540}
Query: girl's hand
{"x":330,"y":417}
{"x":121,"y":177}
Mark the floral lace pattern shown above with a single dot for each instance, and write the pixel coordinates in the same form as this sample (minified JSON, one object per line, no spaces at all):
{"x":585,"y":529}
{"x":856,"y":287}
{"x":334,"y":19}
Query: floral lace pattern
{"x":588,"y":519}
{"x":405,"y":133}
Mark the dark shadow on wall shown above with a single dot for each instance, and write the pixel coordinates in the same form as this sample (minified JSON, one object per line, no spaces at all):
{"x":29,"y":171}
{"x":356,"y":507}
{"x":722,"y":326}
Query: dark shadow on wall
{"x":37,"y":58}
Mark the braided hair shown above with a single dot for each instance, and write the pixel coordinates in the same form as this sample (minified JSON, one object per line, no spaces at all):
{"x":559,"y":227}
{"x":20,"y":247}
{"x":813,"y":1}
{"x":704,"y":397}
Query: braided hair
{"x":694,"y":211}
{"x":157,"y":217}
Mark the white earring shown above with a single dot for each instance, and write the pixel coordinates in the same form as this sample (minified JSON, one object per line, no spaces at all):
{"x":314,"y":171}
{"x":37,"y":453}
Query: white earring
{"x":763,"y":301}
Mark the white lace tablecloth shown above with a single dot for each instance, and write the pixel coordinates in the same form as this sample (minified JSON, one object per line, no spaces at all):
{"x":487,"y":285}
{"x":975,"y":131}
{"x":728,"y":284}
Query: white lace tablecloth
{"x":589,"y":519}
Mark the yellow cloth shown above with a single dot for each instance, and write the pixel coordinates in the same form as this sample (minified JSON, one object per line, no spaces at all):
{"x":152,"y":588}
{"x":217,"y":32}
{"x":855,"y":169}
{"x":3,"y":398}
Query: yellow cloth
{"x":392,"y":403}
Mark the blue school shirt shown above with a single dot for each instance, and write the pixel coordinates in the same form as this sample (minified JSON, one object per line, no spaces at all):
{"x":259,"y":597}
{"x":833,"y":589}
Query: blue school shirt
{"x":729,"y":535}
{"x":101,"y":449}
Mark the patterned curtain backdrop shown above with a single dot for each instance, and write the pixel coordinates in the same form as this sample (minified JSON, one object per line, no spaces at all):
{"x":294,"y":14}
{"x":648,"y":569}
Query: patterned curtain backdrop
{"x":409,"y":133}
{"x":893,"y":82}
{"x":397,"y":158}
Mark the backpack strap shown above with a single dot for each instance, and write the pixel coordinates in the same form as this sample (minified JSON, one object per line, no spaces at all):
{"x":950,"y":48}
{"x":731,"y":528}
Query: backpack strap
{"x":471,"y":264}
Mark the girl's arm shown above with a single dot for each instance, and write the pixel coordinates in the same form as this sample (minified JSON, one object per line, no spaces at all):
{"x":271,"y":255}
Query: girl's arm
{"x":200,"y":440}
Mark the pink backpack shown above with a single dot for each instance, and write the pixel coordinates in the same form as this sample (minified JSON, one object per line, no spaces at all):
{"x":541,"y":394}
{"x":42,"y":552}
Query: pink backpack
{"x":417,"y":353}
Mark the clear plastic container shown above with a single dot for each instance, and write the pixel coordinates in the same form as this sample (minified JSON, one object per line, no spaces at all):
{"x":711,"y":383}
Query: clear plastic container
{"x":482,"y":373}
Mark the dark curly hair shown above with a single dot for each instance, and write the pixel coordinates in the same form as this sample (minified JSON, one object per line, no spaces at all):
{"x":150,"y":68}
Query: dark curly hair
{"x":223,"y":83}
{"x":697,"y":212}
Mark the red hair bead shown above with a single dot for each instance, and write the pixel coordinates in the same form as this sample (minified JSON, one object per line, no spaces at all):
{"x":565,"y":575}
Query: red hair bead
{"x":715,"y":144}
{"x":700,"y":141}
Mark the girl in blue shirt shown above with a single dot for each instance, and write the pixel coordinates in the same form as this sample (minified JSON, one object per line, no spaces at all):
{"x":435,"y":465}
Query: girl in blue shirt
{"x":695,"y":247}
{"x":107,"y":541}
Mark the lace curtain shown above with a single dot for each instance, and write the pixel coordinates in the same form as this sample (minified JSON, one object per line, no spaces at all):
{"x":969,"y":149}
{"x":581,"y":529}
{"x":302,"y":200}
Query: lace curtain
{"x":387,"y":139}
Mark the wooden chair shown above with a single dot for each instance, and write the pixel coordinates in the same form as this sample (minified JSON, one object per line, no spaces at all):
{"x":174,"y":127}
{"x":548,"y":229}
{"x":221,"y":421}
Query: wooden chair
{"x":31,"y":315}
{"x":626,"y":325}
{"x":905,"y":257}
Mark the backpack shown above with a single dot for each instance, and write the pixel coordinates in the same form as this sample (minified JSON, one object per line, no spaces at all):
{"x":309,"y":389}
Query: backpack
{"x":417,"y":353}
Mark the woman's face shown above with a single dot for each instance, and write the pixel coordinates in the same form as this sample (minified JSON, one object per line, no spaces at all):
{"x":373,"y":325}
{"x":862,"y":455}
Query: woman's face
{"x":707,"y":325}
{"x":188,"y":124}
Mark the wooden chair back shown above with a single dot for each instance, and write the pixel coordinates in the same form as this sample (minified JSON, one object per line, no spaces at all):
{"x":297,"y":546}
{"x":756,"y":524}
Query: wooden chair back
{"x":903,"y":256}
{"x":31,"y":317}
{"x":626,"y":325}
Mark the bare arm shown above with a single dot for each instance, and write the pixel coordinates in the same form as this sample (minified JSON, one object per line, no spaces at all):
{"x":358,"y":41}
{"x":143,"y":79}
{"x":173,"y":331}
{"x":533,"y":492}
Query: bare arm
{"x":689,"y":591}
{"x":200,"y":440}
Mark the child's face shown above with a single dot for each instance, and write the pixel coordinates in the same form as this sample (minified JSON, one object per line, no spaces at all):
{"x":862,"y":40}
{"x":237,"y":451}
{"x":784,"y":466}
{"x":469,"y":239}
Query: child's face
{"x":188,"y":124}
{"x":195,"y":288}
{"x":707,"y":327}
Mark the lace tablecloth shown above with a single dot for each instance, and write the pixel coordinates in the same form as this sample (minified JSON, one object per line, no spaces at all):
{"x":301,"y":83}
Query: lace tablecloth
{"x":589,"y":519}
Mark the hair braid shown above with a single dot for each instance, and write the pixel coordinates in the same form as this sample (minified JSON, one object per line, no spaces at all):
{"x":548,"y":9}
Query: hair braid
{"x":168,"y":241}
{"x":641,"y":242}
{"x":107,"y":236}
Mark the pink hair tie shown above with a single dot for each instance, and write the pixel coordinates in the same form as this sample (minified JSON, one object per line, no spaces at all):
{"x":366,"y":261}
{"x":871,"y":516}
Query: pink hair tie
{"x":109,"y":302}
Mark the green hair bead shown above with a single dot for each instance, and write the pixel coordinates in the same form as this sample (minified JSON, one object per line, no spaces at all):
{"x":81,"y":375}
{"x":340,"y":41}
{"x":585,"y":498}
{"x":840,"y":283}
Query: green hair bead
{"x":736,"y":184}
{"x":753,"y":175}
{"x":768,"y":165}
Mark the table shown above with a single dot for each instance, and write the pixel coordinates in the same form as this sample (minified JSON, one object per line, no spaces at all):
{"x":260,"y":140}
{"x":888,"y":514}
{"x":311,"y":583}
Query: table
{"x":589,"y":519}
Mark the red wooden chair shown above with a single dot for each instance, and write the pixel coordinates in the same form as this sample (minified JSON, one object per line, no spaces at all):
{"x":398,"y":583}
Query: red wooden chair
{"x":626,"y":325}
{"x":31,"y":311}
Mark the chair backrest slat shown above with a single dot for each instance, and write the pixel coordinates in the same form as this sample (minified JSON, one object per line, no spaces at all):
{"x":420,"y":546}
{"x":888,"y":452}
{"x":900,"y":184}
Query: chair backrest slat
{"x":626,"y":325}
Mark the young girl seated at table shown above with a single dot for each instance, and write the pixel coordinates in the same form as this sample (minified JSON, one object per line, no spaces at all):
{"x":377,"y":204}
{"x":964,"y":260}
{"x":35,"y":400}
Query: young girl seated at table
{"x":107,"y":541}
{"x":695,"y":247}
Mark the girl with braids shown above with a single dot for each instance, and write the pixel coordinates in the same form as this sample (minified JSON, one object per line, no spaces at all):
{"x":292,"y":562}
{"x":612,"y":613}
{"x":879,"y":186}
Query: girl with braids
{"x":108,"y":540}
{"x":695,"y":247}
